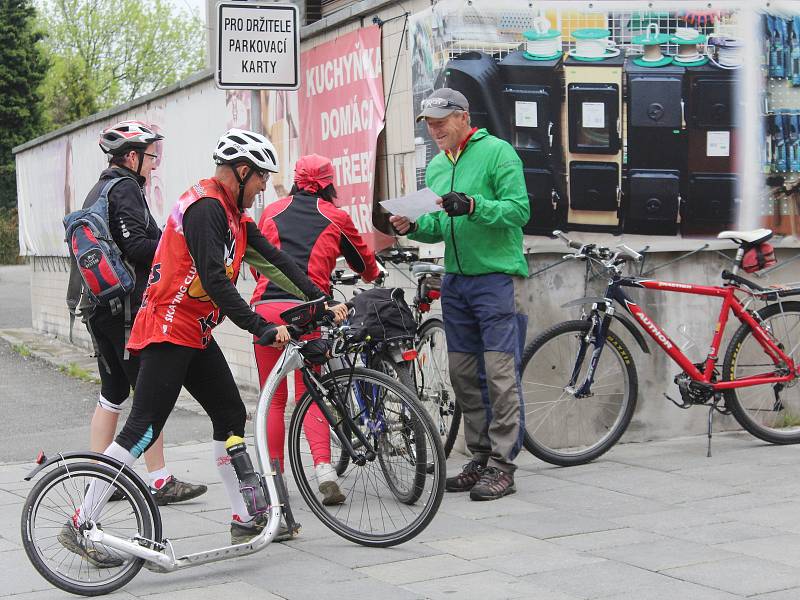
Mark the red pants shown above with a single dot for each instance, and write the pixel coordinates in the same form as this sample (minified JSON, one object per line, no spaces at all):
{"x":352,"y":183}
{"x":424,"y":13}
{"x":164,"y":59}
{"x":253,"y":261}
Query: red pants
{"x":315,"y":426}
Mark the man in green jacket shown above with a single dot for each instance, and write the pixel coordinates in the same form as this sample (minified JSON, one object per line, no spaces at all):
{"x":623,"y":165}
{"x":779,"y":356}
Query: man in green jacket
{"x":485,"y":204}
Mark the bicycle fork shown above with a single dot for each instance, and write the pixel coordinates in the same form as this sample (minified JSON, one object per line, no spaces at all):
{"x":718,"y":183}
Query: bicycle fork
{"x":596,"y":336}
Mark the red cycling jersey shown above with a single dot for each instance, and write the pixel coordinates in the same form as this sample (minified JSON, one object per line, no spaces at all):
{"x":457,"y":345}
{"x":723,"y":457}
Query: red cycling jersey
{"x":175,"y":307}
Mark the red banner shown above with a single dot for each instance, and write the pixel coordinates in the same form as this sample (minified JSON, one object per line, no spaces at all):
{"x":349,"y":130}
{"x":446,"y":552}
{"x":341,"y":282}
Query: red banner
{"x":341,"y":116}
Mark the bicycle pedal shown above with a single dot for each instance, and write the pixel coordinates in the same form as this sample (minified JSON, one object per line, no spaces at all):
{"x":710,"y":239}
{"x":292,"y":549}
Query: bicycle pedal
{"x":678,"y":404}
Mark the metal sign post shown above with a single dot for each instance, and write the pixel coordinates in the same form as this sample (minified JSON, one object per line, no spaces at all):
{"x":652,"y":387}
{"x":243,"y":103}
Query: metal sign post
{"x":258,"y":46}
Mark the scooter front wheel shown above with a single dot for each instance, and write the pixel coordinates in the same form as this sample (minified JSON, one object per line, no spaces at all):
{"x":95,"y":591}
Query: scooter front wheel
{"x":56,"y":546}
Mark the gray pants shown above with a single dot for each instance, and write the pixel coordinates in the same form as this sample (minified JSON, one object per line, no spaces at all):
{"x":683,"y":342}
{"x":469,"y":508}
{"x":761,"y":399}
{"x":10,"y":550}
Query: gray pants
{"x":485,"y":337}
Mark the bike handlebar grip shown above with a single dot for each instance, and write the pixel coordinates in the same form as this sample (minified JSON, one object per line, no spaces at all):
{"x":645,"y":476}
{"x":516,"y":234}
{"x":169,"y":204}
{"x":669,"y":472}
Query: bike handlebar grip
{"x":570,"y":243}
{"x":294,"y":331}
{"x":268,"y":337}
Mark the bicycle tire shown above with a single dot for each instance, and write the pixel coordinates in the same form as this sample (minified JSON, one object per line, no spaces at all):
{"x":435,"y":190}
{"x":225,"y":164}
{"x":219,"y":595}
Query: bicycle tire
{"x":574,"y":431}
{"x":402,"y":372}
{"x":434,"y":389}
{"x":371,"y":502}
{"x":68,"y":484}
{"x":756,"y":408}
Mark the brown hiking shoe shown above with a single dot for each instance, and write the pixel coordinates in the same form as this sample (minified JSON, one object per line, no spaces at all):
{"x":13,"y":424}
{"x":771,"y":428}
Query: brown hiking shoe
{"x":493,"y":484}
{"x":468,"y":477}
{"x":176,"y":490}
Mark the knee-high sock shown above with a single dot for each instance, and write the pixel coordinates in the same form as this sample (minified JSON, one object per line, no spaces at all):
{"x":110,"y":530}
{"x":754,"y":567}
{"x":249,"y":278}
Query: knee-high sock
{"x":231,"y":482}
{"x":98,"y":492}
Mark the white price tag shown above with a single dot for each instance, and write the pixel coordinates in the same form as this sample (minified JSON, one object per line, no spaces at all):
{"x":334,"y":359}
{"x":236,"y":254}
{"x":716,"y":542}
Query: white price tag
{"x":526,"y":114}
{"x":593,"y":115}
{"x":718,"y":143}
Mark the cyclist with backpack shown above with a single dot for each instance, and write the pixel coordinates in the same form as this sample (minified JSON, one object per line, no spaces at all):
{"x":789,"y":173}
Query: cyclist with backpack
{"x":309,"y":228}
{"x":131,"y":150}
{"x":192,"y":288}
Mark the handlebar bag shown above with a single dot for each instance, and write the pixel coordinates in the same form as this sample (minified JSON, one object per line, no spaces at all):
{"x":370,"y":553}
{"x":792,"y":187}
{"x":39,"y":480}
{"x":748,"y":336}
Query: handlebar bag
{"x":384,"y":313}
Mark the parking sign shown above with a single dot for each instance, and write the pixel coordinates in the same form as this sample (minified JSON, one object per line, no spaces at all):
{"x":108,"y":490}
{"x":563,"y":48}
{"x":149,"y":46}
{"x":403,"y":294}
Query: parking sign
{"x":258,"y":46}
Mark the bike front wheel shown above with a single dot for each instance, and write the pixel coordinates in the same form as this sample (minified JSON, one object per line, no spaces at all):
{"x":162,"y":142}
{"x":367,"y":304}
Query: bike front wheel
{"x":769,"y":412}
{"x":433,"y":385}
{"x":391,"y":497}
{"x":47,"y":536}
{"x":560,"y":427}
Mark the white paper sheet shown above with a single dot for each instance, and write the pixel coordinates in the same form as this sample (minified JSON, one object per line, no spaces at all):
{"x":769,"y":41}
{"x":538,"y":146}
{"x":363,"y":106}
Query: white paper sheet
{"x":413,"y":205}
{"x":526,"y":114}
{"x":593,"y":115}
{"x":718,"y":143}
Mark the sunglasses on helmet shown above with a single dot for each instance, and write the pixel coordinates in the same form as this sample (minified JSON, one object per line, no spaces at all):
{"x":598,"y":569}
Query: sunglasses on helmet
{"x":440,"y":103}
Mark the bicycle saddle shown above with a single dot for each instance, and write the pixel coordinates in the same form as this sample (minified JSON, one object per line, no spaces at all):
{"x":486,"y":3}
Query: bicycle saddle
{"x":423,"y":268}
{"x":753,"y":236}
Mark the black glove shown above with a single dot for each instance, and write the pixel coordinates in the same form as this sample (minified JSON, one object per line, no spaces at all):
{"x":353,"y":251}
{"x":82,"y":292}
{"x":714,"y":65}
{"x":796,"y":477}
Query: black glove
{"x":268,"y":335}
{"x":456,"y":204}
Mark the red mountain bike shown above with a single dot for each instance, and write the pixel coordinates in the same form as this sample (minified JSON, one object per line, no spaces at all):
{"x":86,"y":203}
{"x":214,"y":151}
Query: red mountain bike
{"x":580,"y":381}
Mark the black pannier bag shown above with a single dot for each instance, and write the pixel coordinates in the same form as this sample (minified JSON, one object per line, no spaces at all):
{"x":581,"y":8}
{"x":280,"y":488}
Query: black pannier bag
{"x":384,"y":313}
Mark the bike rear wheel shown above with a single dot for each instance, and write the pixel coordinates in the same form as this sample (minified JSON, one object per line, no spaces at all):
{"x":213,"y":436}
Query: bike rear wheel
{"x":52,"y":503}
{"x":393,"y":497}
{"x":769,"y":412}
{"x":561,"y":428}
{"x":433,"y":385}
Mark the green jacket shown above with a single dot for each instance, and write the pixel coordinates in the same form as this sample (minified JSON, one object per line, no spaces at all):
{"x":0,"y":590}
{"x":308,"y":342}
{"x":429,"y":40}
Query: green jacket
{"x":490,"y":239}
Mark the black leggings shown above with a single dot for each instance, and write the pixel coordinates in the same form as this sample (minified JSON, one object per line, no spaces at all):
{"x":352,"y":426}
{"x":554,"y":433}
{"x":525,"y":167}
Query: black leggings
{"x":164,"y":368}
{"x":117,"y":374}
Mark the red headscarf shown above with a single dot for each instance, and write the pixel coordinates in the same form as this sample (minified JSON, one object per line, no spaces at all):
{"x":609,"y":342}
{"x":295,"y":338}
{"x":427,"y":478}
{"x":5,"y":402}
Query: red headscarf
{"x":313,"y":173}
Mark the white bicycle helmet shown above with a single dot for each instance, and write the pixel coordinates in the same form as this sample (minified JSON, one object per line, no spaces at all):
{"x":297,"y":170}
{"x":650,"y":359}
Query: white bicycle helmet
{"x":240,"y":145}
{"x":125,"y":136}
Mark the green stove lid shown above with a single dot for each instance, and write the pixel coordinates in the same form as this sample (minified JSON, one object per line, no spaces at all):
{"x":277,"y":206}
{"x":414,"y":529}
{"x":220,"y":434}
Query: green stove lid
{"x":665,"y":60}
{"x":530,"y":56}
{"x":547,"y":35}
{"x":591,"y":34}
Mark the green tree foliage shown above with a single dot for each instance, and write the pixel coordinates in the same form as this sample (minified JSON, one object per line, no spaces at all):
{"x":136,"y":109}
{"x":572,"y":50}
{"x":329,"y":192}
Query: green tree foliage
{"x":22,"y":68}
{"x":105,"y":53}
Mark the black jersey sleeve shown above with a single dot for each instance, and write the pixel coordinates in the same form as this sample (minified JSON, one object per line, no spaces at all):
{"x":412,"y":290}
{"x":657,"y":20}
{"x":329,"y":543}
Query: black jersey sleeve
{"x":205,"y":227}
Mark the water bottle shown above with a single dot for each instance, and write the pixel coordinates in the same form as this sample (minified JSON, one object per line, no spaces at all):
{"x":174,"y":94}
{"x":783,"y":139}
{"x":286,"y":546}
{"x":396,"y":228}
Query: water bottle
{"x":687,"y":344}
{"x":249,"y":480}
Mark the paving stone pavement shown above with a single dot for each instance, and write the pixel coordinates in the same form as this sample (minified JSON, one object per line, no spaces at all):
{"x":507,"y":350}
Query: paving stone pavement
{"x":649,"y":521}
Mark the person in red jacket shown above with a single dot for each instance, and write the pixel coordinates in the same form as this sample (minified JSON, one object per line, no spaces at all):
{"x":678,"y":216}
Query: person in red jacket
{"x":309,"y":228}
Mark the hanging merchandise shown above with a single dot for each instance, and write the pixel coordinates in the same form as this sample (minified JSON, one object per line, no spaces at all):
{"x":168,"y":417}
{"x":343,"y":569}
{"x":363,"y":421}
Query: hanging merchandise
{"x":794,"y":51}
{"x":786,"y":34}
{"x":779,"y":152}
{"x":593,"y":44}
{"x":775,"y":35}
{"x":542,"y":42}
{"x":794,"y":142}
{"x":651,"y":41}
{"x":688,"y":39}
{"x":766,"y":147}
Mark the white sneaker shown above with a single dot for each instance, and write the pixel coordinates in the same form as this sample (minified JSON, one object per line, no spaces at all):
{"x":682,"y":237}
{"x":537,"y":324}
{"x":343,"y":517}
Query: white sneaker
{"x":328,"y":485}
